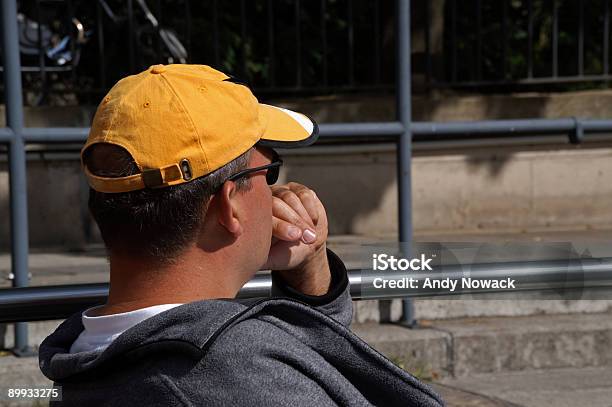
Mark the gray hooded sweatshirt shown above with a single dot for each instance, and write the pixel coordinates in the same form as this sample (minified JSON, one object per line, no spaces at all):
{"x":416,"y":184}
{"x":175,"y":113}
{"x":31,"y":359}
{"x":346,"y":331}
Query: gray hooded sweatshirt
{"x":292,"y":350}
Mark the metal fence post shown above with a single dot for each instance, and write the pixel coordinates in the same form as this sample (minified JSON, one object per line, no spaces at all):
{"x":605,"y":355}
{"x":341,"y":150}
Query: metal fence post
{"x":404,"y":153}
{"x":17,"y":162}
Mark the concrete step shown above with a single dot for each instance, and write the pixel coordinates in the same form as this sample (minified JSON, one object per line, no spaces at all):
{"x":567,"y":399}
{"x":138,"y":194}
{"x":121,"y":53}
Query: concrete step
{"x":591,"y":386}
{"x":442,"y":309}
{"x":464,"y":347}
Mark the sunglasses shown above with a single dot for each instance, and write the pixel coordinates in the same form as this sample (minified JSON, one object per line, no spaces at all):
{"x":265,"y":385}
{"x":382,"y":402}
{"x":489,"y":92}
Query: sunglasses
{"x":271,"y":175}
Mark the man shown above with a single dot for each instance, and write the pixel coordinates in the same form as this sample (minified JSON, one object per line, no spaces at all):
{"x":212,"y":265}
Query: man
{"x":181,"y":164}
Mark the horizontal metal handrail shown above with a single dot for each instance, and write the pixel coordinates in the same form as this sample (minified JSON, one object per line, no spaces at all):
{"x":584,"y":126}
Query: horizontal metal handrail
{"x":422,"y":131}
{"x":60,"y":301}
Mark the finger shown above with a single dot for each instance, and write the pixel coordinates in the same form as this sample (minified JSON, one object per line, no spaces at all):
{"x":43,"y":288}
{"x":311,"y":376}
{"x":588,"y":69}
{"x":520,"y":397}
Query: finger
{"x":283,"y":230}
{"x":309,"y":201}
{"x":292,"y":199}
{"x":313,"y":205}
{"x":282,"y":211}
{"x":322,"y":220}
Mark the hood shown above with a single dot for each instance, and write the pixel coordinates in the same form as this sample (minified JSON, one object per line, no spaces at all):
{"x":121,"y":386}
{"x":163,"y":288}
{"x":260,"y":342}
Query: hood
{"x":190,"y":325}
{"x":191,"y":328}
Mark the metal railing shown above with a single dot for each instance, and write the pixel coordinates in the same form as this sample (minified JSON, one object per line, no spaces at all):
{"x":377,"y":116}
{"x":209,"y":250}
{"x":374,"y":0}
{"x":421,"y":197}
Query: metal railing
{"x":401,"y":131}
{"x":562,"y":276}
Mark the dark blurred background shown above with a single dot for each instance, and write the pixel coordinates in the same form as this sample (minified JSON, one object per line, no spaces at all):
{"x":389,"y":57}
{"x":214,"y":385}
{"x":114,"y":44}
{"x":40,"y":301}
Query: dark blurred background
{"x":293,"y":47}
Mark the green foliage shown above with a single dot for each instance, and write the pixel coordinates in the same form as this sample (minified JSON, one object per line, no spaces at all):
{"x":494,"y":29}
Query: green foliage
{"x":504,"y":51}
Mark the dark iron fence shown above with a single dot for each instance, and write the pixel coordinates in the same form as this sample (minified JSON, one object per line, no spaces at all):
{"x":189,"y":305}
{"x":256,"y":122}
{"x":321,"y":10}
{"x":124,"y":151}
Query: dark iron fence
{"x":527,"y":42}
{"x":277,"y":46}
{"x":286,"y":47}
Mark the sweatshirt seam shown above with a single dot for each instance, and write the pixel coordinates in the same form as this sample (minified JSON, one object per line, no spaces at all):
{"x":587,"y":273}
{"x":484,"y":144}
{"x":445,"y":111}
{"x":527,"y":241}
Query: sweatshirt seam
{"x":178,"y":394}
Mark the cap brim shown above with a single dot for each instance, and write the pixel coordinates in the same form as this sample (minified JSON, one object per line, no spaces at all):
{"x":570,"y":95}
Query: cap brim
{"x":285,"y":128}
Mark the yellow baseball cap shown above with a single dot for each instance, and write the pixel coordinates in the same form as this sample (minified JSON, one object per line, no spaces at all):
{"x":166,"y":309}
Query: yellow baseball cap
{"x":180,"y":122}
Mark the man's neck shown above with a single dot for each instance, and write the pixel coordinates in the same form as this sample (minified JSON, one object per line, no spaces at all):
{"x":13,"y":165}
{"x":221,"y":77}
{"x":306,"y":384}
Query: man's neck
{"x":137,"y":283}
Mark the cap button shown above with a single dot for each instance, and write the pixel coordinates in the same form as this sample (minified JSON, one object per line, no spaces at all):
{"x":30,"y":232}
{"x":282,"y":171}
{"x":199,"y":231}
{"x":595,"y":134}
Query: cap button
{"x":157,"y":69}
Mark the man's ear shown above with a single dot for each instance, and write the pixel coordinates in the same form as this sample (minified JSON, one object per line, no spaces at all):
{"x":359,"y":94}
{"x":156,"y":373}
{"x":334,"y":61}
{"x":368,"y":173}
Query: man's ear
{"x":228,"y":209}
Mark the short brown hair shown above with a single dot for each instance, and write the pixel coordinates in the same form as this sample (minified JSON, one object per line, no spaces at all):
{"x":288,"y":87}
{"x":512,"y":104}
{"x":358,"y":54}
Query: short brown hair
{"x":155,"y":223}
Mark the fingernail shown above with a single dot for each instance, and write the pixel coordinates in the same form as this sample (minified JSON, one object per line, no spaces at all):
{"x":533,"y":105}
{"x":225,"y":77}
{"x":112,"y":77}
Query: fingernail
{"x":294,"y":232}
{"x":309,"y":236}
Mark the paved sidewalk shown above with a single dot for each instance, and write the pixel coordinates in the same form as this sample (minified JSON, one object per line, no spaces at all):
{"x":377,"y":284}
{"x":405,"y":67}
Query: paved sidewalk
{"x":590,"y":387}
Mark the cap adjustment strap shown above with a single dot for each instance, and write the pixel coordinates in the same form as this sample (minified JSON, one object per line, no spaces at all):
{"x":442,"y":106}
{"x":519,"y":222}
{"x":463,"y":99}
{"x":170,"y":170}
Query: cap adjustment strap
{"x":157,"y":177}
{"x":149,"y":178}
